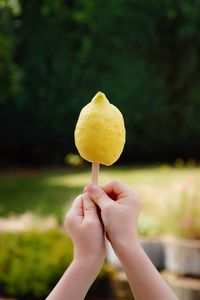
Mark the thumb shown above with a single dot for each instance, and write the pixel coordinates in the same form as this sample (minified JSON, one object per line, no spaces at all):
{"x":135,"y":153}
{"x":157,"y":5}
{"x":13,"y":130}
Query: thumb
{"x":98,"y":195}
{"x":89,"y":206}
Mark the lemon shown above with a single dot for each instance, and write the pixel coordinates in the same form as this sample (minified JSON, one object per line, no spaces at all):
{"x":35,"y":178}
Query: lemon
{"x":100,"y":132}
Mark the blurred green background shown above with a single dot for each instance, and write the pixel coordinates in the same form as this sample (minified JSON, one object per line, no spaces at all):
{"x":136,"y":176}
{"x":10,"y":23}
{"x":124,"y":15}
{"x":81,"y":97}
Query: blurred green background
{"x":54,"y":56}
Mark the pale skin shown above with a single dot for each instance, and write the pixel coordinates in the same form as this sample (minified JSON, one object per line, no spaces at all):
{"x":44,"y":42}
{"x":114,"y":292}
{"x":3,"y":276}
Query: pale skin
{"x":120,"y":207}
{"x":85,"y":229}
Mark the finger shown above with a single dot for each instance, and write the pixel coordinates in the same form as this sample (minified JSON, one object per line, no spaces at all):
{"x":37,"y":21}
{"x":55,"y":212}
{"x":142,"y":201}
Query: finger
{"x":91,"y":210}
{"x":75,"y":214}
{"x":88,"y":204}
{"x":117,"y":188}
{"x":98,"y":195}
{"x":89,"y":207}
{"x":77,"y":206}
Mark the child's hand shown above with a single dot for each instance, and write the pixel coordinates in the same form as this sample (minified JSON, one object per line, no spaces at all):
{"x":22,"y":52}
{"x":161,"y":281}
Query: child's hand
{"x":120,"y":207}
{"x":86,"y":231}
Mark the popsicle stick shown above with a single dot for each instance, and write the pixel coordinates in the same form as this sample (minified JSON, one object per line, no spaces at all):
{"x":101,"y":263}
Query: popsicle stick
{"x":95,"y":173}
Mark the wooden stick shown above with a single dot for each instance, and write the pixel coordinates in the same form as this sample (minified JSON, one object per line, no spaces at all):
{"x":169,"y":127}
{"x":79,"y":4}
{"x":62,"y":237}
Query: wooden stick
{"x":95,"y":173}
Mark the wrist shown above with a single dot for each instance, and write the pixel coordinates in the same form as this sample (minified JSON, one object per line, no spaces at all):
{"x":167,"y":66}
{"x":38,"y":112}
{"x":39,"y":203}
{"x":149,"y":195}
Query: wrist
{"x":122,"y":241}
{"x":89,"y":264}
{"x":125,"y":247}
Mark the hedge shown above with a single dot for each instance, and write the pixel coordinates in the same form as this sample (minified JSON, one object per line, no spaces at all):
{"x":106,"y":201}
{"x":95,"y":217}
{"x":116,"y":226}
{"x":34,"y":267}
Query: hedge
{"x":32,"y":262}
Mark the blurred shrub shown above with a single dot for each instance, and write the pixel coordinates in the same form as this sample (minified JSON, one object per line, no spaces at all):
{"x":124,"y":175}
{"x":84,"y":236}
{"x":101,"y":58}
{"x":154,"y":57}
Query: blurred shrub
{"x":179,"y":163}
{"x":143,"y":54}
{"x":191,"y":163}
{"x":31,"y":263}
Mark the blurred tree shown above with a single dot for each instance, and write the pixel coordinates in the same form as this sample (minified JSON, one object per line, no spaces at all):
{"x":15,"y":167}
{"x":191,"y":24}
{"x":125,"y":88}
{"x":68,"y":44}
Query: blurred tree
{"x":145,"y":55}
{"x":9,"y":73}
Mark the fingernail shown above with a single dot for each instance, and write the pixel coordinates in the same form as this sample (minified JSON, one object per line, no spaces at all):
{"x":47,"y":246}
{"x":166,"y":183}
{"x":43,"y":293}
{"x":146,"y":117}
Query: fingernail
{"x":85,"y":189}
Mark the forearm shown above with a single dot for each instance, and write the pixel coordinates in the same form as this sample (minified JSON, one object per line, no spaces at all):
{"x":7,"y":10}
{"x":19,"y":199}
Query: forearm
{"x":75,"y":282}
{"x":144,"y":279}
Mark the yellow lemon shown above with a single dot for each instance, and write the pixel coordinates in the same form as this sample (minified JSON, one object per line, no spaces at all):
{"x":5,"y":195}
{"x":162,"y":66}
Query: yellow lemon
{"x":100,"y":132}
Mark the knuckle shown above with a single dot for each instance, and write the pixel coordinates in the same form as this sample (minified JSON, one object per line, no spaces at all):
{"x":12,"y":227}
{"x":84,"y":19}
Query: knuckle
{"x":115,"y":182}
{"x":69,"y":222}
{"x":100,"y":193}
{"x":99,"y":196}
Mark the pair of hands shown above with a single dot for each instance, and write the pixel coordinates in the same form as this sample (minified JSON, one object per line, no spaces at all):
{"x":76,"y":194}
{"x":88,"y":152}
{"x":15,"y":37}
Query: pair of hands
{"x":108,"y":211}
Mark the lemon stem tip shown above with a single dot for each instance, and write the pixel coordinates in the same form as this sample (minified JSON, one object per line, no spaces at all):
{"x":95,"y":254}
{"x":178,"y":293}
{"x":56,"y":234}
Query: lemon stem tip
{"x":99,"y":98}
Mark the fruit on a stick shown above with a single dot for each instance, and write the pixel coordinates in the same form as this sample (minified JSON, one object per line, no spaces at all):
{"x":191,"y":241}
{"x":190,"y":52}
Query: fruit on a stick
{"x":100,"y":132}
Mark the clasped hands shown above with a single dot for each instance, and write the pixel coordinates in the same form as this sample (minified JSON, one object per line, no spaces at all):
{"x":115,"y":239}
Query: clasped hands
{"x":110,"y":211}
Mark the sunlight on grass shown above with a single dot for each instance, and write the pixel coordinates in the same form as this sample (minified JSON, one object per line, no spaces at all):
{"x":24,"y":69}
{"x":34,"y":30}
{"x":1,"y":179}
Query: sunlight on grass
{"x":158,"y":186}
{"x":53,"y":191}
{"x":72,"y":180}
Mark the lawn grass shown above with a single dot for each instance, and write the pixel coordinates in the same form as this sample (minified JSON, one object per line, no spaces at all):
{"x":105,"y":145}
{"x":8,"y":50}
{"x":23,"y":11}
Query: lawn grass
{"x":52,"y":191}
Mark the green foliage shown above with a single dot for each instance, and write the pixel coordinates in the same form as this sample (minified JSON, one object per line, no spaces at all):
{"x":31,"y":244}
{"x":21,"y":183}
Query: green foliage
{"x":143,"y":54}
{"x":9,"y":72}
{"x":32,"y":262}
